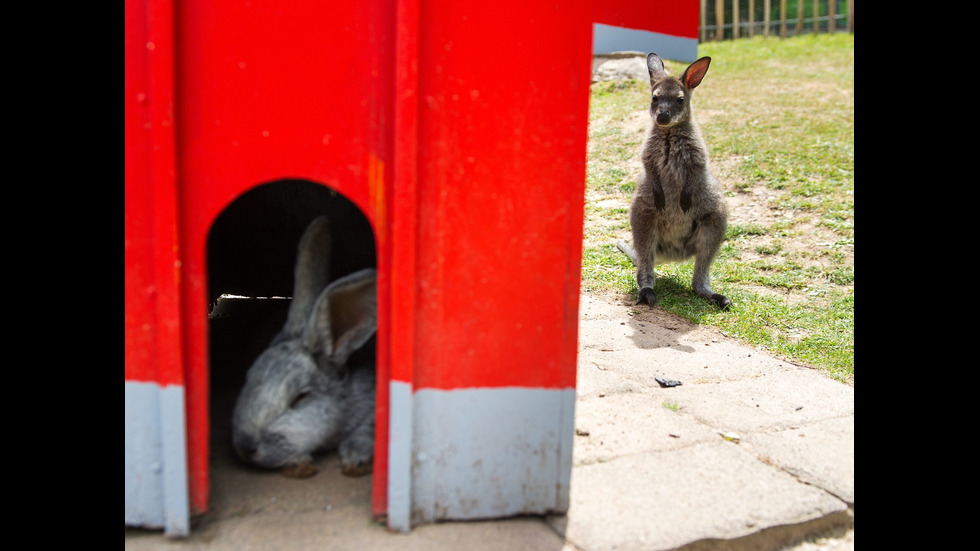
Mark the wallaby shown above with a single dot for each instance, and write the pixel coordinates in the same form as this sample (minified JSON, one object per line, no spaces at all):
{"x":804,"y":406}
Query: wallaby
{"x":677,"y":209}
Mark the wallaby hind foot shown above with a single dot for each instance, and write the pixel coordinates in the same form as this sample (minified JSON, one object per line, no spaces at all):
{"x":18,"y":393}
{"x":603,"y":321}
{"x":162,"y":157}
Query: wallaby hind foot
{"x":722,"y":301}
{"x":648,"y":296}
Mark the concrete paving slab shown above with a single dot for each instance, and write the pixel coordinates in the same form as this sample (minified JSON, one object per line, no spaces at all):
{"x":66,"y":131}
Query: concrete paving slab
{"x":594,"y":378}
{"x":657,"y":501}
{"x":820,"y":453}
{"x":629,"y":423}
{"x":774,"y":401}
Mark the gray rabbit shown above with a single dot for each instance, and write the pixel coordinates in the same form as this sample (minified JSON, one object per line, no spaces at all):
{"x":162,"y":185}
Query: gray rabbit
{"x":301,"y":395}
{"x":677,"y":210}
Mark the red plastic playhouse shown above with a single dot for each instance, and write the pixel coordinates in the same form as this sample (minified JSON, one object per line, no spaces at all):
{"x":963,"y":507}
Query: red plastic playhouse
{"x":459,"y":130}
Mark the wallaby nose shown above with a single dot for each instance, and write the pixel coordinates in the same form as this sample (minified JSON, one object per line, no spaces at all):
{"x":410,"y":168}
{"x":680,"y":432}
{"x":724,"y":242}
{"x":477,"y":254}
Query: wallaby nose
{"x":663,"y":117}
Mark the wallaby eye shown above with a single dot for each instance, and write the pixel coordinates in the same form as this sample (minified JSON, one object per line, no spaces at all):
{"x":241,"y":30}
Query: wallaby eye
{"x":680,"y":101}
{"x":655,"y":98}
{"x":298,"y":399}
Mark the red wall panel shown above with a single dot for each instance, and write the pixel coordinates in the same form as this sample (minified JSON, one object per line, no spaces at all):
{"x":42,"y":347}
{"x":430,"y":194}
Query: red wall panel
{"x":673,"y":17}
{"x":503,"y":116}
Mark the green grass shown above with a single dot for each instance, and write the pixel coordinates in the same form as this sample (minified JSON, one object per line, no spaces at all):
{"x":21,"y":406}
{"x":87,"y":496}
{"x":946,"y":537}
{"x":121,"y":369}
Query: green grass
{"x":778,"y":118}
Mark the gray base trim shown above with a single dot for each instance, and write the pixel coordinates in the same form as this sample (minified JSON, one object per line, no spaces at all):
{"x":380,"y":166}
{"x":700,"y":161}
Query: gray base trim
{"x":399,"y":456}
{"x":608,"y":38}
{"x":491,"y":452}
{"x":156,"y":458}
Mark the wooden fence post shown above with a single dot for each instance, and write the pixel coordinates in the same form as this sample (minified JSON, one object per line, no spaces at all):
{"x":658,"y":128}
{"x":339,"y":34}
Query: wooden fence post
{"x":782,"y":18}
{"x":799,"y":17}
{"x":720,"y":19}
{"x":702,"y":15}
{"x":816,"y":13}
{"x":766,"y":19}
{"x":735,"y":21}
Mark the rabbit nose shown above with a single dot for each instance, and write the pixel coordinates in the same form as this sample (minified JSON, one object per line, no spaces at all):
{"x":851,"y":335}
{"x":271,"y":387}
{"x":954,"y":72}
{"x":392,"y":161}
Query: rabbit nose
{"x":245,"y":447}
{"x":246,"y":452}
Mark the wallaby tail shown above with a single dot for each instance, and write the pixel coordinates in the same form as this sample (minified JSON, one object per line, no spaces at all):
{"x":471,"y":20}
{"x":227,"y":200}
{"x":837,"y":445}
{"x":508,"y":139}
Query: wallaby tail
{"x":627,"y":250}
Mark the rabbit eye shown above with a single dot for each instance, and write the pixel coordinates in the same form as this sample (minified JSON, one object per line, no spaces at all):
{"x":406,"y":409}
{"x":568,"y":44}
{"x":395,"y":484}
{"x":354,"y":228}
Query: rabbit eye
{"x":298,"y":399}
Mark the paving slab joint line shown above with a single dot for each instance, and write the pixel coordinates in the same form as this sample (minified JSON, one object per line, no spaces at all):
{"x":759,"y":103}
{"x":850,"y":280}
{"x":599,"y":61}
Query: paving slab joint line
{"x":802,"y":480}
{"x":799,"y":477}
{"x":774,"y":538}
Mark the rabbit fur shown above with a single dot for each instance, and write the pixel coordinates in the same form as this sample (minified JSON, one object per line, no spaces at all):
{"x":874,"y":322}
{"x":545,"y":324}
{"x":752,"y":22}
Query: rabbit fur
{"x":301,"y":395}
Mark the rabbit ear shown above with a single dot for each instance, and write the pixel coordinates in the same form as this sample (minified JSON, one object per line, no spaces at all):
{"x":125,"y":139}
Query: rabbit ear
{"x":310,"y":277}
{"x":344,"y":317}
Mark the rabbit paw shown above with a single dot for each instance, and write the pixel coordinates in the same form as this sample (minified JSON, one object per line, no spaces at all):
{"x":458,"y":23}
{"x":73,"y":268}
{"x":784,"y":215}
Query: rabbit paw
{"x":357,"y":452}
{"x":299,"y":470}
{"x":357,"y":470}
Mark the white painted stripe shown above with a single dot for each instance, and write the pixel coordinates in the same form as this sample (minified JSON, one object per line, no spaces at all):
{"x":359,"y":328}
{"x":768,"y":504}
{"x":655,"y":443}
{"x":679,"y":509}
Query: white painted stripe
{"x":399,"y":456}
{"x":156,"y":458}
{"x":609,"y":38}
{"x":491,"y":452}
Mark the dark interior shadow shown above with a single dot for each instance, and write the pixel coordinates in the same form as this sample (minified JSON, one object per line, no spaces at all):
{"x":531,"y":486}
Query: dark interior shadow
{"x":252,"y":249}
{"x":251,"y":255}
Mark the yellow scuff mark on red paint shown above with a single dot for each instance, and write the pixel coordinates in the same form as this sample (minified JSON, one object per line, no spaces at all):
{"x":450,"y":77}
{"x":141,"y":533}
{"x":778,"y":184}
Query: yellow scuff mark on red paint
{"x":376,"y":192}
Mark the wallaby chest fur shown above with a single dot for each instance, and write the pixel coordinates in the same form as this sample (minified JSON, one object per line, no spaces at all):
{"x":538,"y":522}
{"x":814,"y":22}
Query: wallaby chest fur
{"x":677,"y":211}
{"x":676,"y":157}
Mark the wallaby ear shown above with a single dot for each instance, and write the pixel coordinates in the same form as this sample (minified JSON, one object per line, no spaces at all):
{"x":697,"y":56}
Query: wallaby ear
{"x":344,"y":317}
{"x":656,"y":67}
{"x":310,"y":276}
{"x":695,"y":72}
